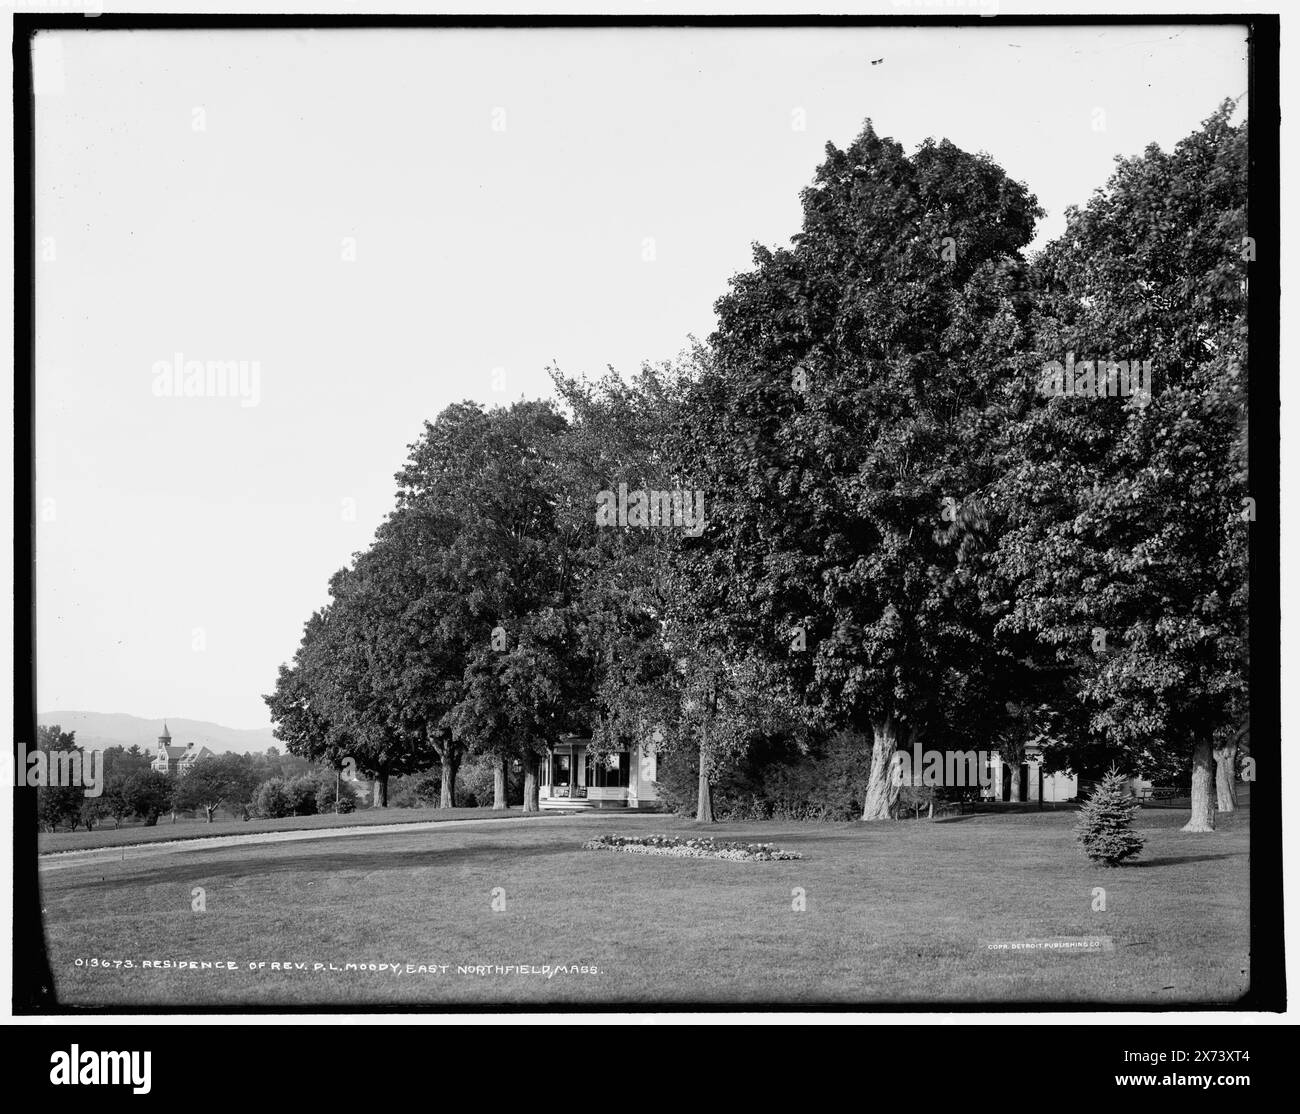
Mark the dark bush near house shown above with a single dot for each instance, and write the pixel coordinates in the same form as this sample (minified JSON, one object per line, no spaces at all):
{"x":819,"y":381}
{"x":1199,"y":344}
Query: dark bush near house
{"x":403,"y":796}
{"x":273,"y":799}
{"x":474,"y":783}
{"x":826,"y":784}
{"x":677,"y":776}
{"x":473,"y":786}
{"x":738,"y":792}
{"x":420,"y":790}
{"x":302,"y":795}
{"x":328,"y":788}
{"x":777,"y":781}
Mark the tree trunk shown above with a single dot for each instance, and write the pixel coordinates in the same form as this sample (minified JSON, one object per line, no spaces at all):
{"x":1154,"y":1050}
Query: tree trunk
{"x":210,"y":811}
{"x":381,"y":790}
{"x":499,"y":783}
{"x":530,"y":784}
{"x":1015,"y":782}
{"x":1225,"y":781}
{"x":882,"y":790}
{"x":704,"y":797}
{"x":1202,"y":788}
{"x":447,"y":799}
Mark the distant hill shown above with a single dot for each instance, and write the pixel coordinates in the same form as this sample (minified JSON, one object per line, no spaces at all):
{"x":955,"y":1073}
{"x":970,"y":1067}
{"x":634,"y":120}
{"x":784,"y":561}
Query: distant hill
{"x":97,"y":730}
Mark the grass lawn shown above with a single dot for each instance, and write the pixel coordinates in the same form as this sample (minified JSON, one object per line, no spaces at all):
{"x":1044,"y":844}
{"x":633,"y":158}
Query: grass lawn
{"x":896,"y":913}
{"x":165,"y":830}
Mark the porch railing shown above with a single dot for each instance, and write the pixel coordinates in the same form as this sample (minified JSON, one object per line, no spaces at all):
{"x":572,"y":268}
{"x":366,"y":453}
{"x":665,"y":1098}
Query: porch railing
{"x":571,"y":791}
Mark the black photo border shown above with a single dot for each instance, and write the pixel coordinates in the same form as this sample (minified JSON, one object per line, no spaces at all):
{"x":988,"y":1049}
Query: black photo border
{"x":32,"y":980}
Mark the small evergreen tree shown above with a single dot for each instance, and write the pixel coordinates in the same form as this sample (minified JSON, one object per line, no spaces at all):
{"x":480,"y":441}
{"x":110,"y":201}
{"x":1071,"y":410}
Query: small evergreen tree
{"x":1105,"y":827}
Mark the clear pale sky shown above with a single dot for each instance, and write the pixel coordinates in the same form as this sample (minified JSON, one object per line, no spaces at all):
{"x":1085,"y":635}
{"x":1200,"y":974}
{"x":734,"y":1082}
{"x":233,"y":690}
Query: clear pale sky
{"x":182,"y":542}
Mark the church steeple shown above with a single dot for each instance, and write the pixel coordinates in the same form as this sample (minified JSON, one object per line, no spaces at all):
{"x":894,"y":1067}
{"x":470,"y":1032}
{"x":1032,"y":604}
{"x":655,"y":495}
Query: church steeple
{"x":165,"y":739}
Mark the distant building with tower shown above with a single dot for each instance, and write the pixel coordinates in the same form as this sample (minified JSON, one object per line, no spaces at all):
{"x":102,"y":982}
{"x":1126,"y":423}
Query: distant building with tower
{"x":174,"y":760}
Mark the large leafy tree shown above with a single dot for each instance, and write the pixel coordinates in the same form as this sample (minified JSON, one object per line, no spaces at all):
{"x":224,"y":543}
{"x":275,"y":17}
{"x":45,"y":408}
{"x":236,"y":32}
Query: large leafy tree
{"x":659,"y":671}
{"x":1124,"y":521}
{"x":846,"y":432}
{"x":57,"y":804}
{"x":341,"y":701}
{"x":149,"y":794}
{"x":622,"y":436}
{"x":226,"y":779}
{"x":477,"y":503}
{"x":450,"y":633}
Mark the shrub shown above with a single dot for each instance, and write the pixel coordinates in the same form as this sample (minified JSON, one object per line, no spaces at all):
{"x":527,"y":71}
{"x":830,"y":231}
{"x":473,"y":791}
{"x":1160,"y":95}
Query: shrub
{"x":676,"y":779}
{"x":302,"y":794}
{"x":327,"y":787}
{"x":755,"y":808}
{"x":403,"y":796}
{"x":475,"y":784}
{"x":420,"y":790}
{"x":829,"y":783}
{"x":1105,"y":825}
{"x":273,"y":799}
{"x":776,"y":781}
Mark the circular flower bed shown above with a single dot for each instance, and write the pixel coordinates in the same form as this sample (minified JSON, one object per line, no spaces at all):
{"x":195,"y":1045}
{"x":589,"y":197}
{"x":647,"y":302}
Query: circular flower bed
{"x":700,"y":847}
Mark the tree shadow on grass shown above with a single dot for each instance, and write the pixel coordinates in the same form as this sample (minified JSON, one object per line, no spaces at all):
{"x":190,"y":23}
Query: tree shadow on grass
{"x":1176,"y":860}
{"x":199,"y":868}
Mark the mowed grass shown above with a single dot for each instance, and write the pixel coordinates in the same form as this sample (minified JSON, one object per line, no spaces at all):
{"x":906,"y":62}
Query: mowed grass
{"x":165,"y":831}
{"x":895,"y":913}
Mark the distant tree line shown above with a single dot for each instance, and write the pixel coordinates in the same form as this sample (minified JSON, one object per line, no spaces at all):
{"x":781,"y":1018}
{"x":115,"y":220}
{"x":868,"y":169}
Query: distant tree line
{"x":266,"y":785}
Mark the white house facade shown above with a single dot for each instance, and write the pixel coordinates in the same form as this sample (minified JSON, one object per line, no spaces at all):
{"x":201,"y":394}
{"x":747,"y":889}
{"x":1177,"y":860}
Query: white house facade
{"x":572,"y":777}
{"x":1032,"y":785}
{"x":1036,"y":785}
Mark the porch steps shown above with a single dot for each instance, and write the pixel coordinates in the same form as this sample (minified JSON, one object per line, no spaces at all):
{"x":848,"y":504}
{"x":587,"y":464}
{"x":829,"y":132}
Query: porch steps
{"x":579,"y":804}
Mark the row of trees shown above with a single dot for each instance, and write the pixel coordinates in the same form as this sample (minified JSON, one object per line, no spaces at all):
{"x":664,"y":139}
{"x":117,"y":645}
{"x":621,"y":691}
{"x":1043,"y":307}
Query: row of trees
{"x":266,"y":785}
{"x":905,"y":537}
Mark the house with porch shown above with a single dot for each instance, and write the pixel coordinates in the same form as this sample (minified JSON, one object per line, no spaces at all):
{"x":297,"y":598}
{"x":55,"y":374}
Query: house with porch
{"x":1033,"y":784}
{"x":1002,"y":784}
{"x":572,"y":777}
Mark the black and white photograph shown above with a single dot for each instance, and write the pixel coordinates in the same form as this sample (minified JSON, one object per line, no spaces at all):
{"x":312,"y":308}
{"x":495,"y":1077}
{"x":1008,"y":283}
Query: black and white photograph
{"x":651,"y":514}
